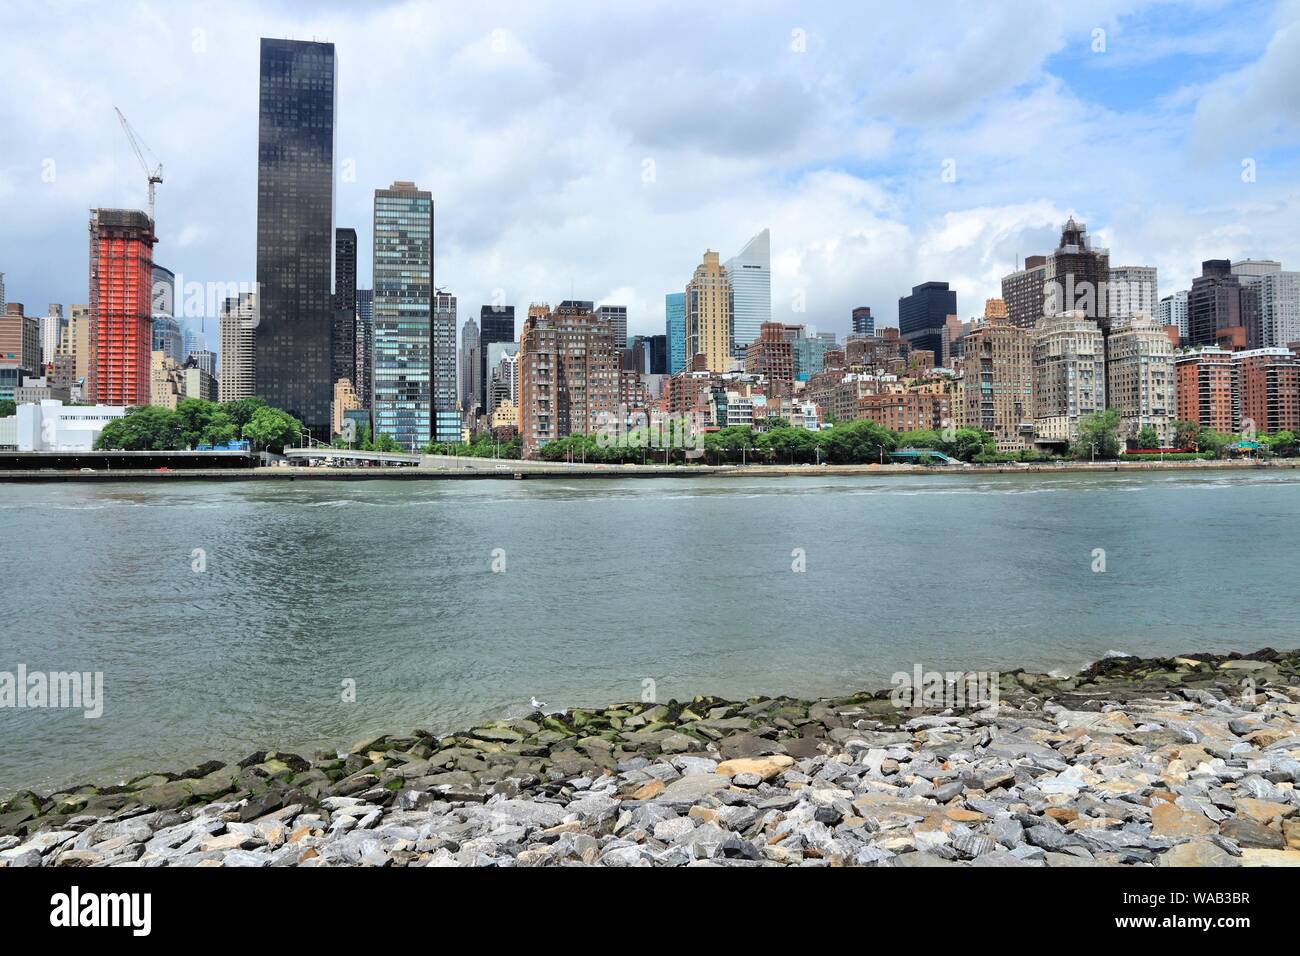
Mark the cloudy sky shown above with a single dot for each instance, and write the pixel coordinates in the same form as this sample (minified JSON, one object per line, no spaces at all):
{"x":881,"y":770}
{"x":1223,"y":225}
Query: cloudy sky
{"x":598,"y":149}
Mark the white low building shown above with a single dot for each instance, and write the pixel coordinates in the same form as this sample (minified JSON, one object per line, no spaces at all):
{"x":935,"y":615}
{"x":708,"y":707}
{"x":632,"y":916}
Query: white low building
{"x":53,"y":426}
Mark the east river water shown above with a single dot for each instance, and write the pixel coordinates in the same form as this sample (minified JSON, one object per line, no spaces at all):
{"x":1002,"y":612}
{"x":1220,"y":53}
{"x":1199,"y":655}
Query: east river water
{"x":229,"y":617}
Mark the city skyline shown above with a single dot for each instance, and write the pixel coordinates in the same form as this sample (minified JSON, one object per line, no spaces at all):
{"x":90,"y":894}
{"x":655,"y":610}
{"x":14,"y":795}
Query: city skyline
{"x":858,"y":199}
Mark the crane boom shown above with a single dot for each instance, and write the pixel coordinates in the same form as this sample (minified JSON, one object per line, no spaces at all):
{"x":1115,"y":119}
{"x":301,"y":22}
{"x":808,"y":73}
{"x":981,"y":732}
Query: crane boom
{"x":153,"y":175}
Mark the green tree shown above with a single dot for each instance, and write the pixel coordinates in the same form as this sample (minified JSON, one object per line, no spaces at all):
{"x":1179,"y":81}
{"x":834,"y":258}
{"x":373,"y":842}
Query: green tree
{"x":1284,"y":444}
{"x":272,"y":429}
{"x":1185,"y":434}
{"x":1148,"y":437}
{"x":8,"y":407}
{"x":143,"y":428}
{"x":1098,"y":435}
{"x":1207,"y":439}
{"x":240,"y":411}
{"x":858,"y":442}
{"x":204,"y":422}
{"x":968,"y":443}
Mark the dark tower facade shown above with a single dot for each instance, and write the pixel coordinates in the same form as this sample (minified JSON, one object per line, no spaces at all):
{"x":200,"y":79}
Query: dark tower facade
{"x":1077,"y":276}
{"x":1221,"y":310}
{"x":496,"y":324}
{"x":922,"y":315}
{"x":345,"y":305}
{"x":294,"y":362}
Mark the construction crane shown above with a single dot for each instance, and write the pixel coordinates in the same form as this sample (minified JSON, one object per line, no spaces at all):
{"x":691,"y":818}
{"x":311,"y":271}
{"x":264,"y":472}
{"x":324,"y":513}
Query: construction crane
{"x":154,"y":175}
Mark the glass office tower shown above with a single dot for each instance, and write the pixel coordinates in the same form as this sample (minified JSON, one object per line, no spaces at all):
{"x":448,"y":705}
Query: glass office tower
{"x":403,"y":314}
{"x":751,"y":290}
{"x":675,"y":327}
{"x":295,"y":230}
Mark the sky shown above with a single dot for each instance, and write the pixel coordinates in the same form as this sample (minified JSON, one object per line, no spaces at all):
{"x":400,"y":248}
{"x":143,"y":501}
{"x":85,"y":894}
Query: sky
{"x":596,"y":150}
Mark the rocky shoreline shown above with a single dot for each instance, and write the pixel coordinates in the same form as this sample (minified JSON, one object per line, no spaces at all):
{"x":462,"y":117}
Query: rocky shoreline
{"x":1187,"y":761}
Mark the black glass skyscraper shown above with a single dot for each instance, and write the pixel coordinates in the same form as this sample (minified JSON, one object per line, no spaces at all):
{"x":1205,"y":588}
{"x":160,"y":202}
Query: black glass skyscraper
{"x":496,"y":324}
{"x":922,"y":314}
{"x":345,"y":305}
{"x":295,"y":230}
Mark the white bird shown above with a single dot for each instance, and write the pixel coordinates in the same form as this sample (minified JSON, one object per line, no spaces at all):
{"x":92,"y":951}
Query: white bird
{"x":537,"y":704}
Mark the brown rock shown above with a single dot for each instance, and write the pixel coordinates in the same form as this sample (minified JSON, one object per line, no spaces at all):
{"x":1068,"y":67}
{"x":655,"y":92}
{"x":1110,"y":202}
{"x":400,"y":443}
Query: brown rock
{"x":648,"y":790}
{"x":765,"y":767}
{"x":1169,"y":820}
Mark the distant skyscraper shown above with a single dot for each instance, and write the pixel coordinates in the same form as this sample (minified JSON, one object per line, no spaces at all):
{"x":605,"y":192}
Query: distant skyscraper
{"x":295,"y":229}
{"x":1077,"y":275}
{"x":1172,"y":310}
{"x":365,"y":346}
{"x":616,"y":316}
{"x":1023,"y":293}
{"x":1221,"y":308}
{"x":121,"y":307}
{"x":403,"y":310}
{"x":50,"y":327}
{"x":471,"y":369}
{"x":344,"y":343}
{"x":1130,"y":291}
{"x":167,"y":338}
{"x":675,"y":327}
{"x":863,"y":322}
{"x":446,"y":418}
{"x":192,"y":339}
{"x":923,"y":314}
{"x":496,"y":324}
{"x":235,"y":327}
{"x":2,"y":293}
{"x":1279,"y":300}
{"x":750,"y":273}
{"x":164,"y":291}
{"x":708,"y":315}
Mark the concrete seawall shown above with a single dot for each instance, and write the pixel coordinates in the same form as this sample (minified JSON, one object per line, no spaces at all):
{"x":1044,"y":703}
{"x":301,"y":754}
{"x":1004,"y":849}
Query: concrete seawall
{"x":511,"y":471}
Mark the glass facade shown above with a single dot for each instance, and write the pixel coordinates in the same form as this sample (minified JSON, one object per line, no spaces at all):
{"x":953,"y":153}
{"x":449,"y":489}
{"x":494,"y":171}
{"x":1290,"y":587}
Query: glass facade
{"x":751,"y":289}
{"x":402,"y":314}
{"x":496,"y":324}
{"x":446,"y":416}
{"x":295,"y":230}
{"x":345,"y":305}
{"x":675,"y":326}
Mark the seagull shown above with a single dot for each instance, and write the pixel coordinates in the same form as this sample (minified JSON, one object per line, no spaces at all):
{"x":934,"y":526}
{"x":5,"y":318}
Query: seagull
{"x":537,"y":704}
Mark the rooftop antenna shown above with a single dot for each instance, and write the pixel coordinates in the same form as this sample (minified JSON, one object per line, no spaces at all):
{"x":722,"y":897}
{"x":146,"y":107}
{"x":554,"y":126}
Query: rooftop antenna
{"x":153,"y":175}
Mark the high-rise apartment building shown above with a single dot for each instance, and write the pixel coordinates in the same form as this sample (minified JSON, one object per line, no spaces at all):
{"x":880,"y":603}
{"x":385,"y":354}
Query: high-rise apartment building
{"x":50,"y":327}
{"x":1130,"y":291}
{"x":236,"y":328}
{"x":863,"y":322}
{"x":923,"y":315}
{"x":1205,"y":388}
{"x":750,"y":274}
{"x":1069,"y":374}
{"x":295,"y":230}
{"x":675,"y":329}
{"x":708,"y":304}
{"x":446,"y":413}
{"x":1279,"y":300}
{"x":1023,"y":292}
{"x":403,"y":314}
{"x":344,"y":329}
{"x":569,"y":377}
{"x":1268,"y":387}
{"x":20,"y":341}
{"x":1220,"y":308}
{"x":121,"y":306}
{"x":1172,"y":311}
{"x":772,"y":356}
{"x":995,"y":383}
{"x":75,"y":341}
{"x":1077,"y":276}
{"x":1140,"y":376}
